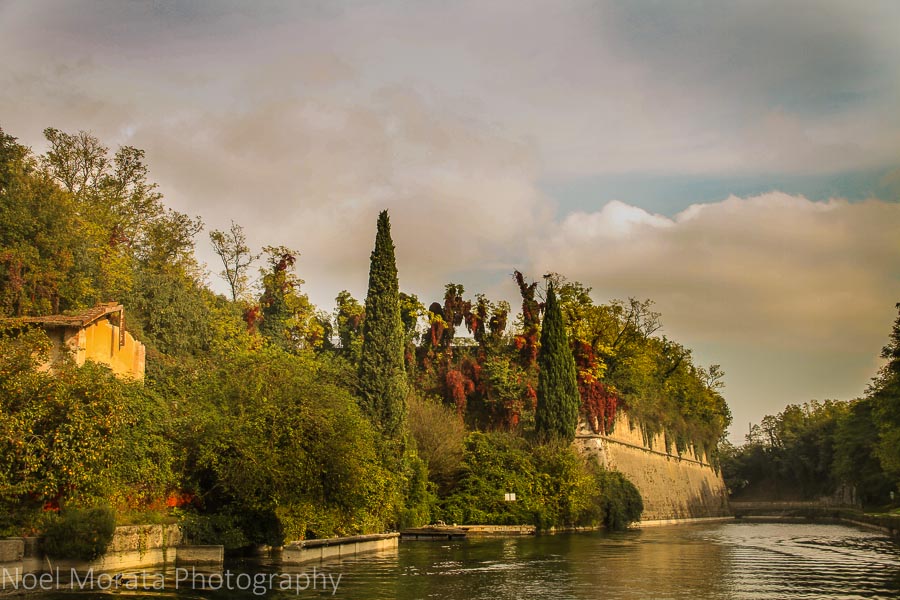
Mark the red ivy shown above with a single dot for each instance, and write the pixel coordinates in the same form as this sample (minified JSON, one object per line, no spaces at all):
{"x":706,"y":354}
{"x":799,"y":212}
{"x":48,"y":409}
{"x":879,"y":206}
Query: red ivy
{"x":598,"y":402}
{"x":456,"y":386}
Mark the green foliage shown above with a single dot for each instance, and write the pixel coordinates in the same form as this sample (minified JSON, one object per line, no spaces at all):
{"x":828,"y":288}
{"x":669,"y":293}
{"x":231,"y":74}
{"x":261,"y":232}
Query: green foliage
{"x":556,"y":415}
{"x":80,"y":533}
{"x":411,"y":310}
{"x":268,"y":435}
{"x":439,"y":435}
{"x":173,"y":314}
{"x":80,"y":434}
{"x":622,"y":363}
{"x":219,"y":529}
{"x":554,"y":487}
{"x":348,"y":317}
{"x":382,"y":376}
{"x":493,"y":465}
{"x":420,"y":499}
{"x":621,"y":503}
{"x":289,"y":319}
{"x":856,"y":462}
{"x":41,"y":236}
{"x":809,"y":451}
{"x":817,"y":448}
{"x":789,"y":456}
{"x":885,"y":395}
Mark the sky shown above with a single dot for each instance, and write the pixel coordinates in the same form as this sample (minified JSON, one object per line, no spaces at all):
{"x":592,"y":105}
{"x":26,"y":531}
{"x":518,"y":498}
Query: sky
{"x":736,"y":162}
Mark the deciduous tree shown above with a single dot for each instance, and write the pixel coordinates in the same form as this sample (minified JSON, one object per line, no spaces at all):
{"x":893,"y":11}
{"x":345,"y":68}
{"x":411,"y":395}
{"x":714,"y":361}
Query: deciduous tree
{"x":231,"y":246}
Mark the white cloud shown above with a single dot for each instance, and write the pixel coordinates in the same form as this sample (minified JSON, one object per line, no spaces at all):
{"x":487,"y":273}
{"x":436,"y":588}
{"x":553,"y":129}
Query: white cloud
{"x":769,"y":268}
{"x":615,"y":221}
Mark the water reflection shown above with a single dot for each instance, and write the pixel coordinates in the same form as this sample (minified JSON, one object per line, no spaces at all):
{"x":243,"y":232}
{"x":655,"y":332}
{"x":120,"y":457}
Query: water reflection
{"x":734,"y":560}
{"x":724,"y":560}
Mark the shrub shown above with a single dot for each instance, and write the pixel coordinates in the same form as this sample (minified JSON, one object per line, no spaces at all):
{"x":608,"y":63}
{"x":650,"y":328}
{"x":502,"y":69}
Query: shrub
{"x":440,"y":436}
{"x":554,"y":487}
{"x":22,"y":519}
{"x":218,"y":528}
{"x":620,"y":501}
{"x":494,"y":464}
{"x":80,"y":533}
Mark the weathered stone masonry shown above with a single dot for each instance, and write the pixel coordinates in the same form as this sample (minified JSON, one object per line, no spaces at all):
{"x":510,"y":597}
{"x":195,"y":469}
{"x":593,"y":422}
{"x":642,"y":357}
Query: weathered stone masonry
{"x":672,"y":486}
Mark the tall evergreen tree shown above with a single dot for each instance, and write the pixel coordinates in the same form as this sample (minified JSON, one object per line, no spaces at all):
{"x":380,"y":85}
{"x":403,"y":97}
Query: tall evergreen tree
{"x":382,"y":377}
{"x":556,"y":414}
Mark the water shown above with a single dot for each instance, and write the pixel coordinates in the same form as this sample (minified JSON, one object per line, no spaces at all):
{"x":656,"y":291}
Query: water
{"x":733,"y":560}
{"x":723,"y":560}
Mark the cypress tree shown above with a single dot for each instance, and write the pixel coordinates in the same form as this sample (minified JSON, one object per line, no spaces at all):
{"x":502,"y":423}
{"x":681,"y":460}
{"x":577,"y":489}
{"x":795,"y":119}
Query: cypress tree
{"x":382,"y":376}
{"x":556,"y":414}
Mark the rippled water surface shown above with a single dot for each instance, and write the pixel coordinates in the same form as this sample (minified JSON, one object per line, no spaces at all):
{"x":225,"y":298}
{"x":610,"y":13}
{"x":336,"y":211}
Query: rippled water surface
{"x":725,"y":560}
{"x":733,"y":560}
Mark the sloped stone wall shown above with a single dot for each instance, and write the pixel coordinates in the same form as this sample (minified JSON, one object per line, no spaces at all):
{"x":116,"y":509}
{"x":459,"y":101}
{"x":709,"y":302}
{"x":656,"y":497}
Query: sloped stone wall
{"x":672,"y":486}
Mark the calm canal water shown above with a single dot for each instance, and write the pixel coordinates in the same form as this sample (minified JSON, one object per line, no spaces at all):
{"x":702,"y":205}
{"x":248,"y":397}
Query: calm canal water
{"x":724,"y":560}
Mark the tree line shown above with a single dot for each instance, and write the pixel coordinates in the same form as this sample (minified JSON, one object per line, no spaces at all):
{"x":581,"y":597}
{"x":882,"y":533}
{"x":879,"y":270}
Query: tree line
{"x":846,"y":450}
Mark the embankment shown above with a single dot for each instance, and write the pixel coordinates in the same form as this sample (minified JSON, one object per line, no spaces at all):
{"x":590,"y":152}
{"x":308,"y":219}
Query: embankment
{"x":132,"y":547}
{"x":816,"y":511}
{"x":673,"y":486}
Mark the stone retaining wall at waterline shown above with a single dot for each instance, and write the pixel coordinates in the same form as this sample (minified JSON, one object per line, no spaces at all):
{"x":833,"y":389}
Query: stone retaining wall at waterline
{"x":132,"y":546}
{"x":142,"y":546}
{"x":673,"y":487}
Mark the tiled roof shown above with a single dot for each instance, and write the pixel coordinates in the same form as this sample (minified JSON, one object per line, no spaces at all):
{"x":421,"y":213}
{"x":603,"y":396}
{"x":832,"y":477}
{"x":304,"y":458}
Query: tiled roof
{"x":82,"y":320}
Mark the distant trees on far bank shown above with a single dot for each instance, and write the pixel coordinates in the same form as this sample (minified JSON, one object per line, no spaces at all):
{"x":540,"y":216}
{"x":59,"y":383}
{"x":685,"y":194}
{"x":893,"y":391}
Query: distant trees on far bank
{"x":820,"y":448}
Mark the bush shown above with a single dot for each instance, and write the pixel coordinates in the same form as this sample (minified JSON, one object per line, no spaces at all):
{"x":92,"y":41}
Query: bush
{"x":494,"y":464}
{"x":554,"y":487}
{"x":440,"y":439}
{"x":419,"y":497}
{"x":79,"y":435}
{"x":288,"y":453}
{"x":22,"y":519}
{"x":620,"y":502}
{"x":219,"y":528}
{"x":81,"y":534}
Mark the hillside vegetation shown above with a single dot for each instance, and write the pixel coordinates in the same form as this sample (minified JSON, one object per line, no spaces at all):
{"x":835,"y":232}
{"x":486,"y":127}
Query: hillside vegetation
{"x":263,"y":417}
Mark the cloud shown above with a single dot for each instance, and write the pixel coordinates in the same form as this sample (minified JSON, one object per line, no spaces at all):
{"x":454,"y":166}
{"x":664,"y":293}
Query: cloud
{"x":772,"y":269}
{"x":594,"y":88}
{"x":312,"y":170}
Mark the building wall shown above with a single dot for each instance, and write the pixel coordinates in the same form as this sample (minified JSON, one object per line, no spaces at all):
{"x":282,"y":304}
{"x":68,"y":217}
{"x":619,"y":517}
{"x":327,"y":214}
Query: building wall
{"x":672,"y":486}
{"x":99,"y":342}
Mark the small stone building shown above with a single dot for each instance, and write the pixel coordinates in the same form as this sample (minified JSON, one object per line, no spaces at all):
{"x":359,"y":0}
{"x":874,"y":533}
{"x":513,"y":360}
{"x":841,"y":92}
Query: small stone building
{"x":97,"y":334}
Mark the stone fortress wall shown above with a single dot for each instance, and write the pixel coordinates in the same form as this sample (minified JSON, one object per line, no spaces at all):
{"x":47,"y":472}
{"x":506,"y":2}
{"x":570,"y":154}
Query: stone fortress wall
{"x":672,"y":486}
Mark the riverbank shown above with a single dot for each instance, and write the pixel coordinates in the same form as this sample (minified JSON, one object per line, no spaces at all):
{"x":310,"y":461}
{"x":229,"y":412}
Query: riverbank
{"x":813,"y":511}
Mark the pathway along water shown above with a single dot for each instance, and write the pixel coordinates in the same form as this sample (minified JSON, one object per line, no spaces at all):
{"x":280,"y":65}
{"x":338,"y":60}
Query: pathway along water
{"x":721,"y":560}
